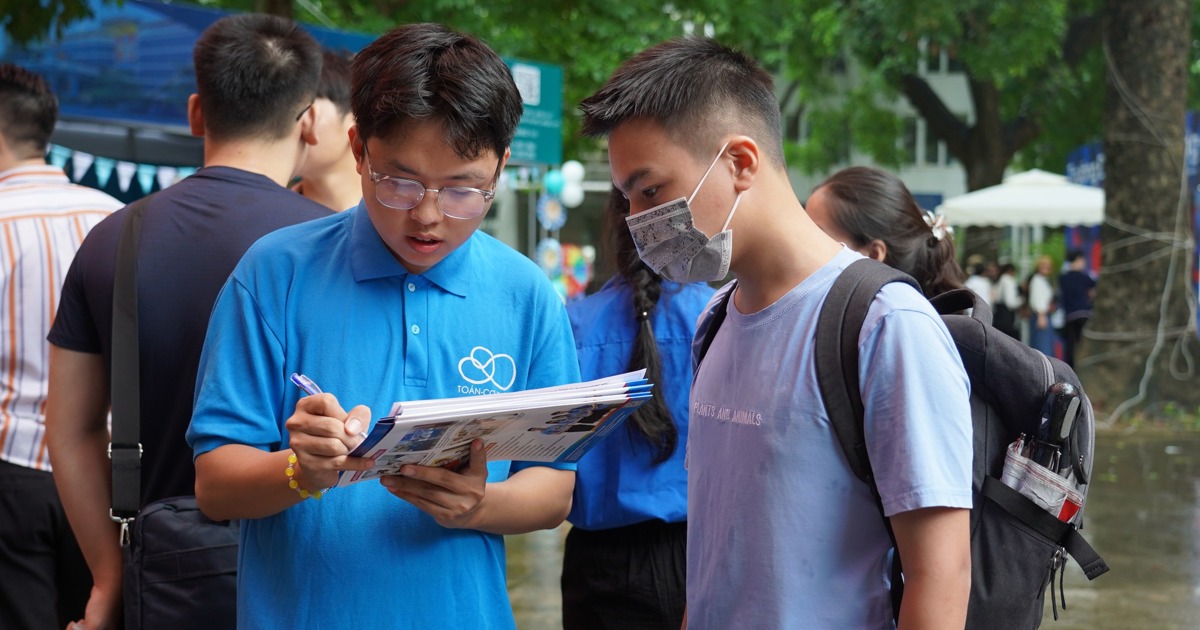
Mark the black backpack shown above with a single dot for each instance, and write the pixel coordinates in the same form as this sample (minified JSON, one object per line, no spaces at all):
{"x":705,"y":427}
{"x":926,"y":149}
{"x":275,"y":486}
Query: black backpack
{"x":1016,"y":547}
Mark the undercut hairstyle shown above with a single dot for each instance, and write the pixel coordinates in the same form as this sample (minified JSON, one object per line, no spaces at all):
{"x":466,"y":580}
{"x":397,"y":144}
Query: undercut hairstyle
{"x":697,"y":90}
{"x":28,"y":111}
{"x":335,"y":80}
{"x":429,"y":73}
{"x":871,"y":203}
{"x":652,"y":421}
{"x":255,"y":74}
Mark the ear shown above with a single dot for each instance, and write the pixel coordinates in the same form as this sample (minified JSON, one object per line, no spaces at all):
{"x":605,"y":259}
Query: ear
{"x":356,"y":148}
{"x":504,"y":158}
{"x":747,"y":159}
{"x":308,"y":125}
{"x":195,"y":116}
{"x":876,"y":249}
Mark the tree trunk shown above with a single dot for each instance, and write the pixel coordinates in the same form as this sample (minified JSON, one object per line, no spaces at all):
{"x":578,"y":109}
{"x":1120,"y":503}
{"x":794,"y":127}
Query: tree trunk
{"x":1141,"y":314}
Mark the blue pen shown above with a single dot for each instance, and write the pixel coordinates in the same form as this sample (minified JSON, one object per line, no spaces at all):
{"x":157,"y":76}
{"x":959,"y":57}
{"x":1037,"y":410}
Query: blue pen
{"x":307,"y":384}
{"x":311,"y":388}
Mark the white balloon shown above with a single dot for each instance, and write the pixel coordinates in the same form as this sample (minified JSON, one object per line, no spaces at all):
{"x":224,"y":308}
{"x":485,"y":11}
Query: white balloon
{"x":571,"y":195}
{"x":572,"y":171}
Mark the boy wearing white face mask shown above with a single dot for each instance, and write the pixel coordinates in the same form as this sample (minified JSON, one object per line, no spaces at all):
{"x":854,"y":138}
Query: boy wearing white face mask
{"x":781,"y":534}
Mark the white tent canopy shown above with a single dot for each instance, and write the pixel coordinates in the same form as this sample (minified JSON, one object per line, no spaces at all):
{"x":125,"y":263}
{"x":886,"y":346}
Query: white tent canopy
{"x":1034,"y":198}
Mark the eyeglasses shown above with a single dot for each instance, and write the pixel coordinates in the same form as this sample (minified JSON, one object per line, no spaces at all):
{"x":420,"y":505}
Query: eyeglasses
{"x":456,"y":202}
{"x":306,"y":108}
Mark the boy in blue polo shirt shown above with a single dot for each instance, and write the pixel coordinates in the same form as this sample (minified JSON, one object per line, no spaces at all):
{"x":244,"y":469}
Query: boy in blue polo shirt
{"x":400,"y":298}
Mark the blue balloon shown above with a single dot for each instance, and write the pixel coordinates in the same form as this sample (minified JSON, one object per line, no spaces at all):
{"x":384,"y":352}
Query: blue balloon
{"x":554,"y":182}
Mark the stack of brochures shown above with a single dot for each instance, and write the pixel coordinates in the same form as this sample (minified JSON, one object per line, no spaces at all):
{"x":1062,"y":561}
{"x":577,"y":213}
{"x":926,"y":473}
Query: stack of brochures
{"x":552,"y":424}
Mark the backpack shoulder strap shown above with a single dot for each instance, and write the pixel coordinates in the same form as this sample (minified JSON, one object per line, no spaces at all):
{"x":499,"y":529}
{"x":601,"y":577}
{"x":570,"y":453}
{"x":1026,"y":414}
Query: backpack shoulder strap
{"x":710,"y":322}
{"x":839,"y":326}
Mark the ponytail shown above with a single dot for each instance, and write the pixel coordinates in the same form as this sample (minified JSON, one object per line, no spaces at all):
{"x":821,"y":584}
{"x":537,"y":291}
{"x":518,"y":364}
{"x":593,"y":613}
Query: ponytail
{"x":937,"y":269}
{"x":871,"y":204}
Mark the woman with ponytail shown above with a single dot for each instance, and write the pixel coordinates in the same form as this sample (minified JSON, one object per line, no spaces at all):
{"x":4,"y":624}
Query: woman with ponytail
{"x":872,"y":212}
{"x":624,"y":562}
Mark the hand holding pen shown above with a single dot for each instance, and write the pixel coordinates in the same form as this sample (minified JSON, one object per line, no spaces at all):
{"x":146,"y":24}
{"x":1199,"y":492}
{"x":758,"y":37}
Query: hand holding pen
{"x":311,"y":388}
{"x":322,"y":435}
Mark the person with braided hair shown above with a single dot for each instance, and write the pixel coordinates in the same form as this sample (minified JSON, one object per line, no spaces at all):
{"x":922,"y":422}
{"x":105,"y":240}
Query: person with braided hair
{"x":625,"y":559}
{"x":873,"y":213}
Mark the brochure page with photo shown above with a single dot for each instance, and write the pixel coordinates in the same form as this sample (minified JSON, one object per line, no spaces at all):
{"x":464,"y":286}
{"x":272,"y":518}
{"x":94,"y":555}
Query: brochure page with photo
{"x":553,"y":424}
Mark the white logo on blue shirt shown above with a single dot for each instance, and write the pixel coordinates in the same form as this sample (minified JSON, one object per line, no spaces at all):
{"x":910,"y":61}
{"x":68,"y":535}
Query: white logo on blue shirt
{"x":486,"y":367}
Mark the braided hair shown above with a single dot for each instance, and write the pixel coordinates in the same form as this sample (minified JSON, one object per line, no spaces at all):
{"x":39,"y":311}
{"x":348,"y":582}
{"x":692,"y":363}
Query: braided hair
{"x":652,"y":421}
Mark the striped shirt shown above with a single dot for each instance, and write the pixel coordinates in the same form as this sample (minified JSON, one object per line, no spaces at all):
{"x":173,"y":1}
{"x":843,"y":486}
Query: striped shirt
{"x":43,"y":219}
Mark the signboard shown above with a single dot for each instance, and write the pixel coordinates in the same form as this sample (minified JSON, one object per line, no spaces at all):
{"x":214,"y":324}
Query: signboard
{"x":539,"y":134}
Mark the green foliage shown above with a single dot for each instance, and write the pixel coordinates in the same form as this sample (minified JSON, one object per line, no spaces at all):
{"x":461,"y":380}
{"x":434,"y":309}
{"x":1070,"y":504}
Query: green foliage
{"x":841,"y":60}
{"x":28,"y":21}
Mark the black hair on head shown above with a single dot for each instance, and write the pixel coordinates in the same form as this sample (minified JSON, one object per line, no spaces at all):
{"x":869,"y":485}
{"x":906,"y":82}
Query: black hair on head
{"x":255,"y":74}
{"x":427,"y":72}
{"x":695,"y":88}
{"x":28,"y":111}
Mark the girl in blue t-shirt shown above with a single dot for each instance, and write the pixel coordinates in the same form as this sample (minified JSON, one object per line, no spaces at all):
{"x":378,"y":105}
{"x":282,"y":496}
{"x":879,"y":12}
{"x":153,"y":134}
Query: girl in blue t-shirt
{"x":625,"y":559}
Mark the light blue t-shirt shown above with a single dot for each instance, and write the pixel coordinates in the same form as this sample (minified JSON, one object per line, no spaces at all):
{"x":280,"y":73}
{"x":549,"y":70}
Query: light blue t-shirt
{"x":617,"y":483}
{"x":780,"y":532}
{"x":328,"y":299}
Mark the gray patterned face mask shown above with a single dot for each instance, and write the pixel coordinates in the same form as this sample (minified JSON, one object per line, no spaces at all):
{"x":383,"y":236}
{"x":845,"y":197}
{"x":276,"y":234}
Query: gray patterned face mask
{"x":668,"y":241}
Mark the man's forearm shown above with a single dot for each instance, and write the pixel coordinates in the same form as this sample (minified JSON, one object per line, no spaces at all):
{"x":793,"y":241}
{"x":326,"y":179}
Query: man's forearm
{"x":77,"y":436}
{"x":532,"y":499}
{"x":83,"y":478}
{"x":238,"y":481}
{"x":935,"y":548}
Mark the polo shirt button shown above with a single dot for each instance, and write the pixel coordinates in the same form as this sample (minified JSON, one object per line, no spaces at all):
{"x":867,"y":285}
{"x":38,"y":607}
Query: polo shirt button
{"x":416,"y":330}
{"x":411,"y":287}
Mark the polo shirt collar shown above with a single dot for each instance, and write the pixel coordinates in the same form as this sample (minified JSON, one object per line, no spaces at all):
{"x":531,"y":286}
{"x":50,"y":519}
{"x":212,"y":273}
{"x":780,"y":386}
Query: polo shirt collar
{"x":37,"y":173}
{"x":370,"y":259}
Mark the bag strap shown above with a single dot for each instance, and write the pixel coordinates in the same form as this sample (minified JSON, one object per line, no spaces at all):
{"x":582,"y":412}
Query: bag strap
{"x":839,"y":326}
{"x":125,"y":449}
{"x":707,"y":330}
{"x":956,"y":300}
{"x":1039,"y":520}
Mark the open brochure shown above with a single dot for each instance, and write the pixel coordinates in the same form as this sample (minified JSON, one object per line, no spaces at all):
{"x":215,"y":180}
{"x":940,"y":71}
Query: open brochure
{"x":552,"y":424}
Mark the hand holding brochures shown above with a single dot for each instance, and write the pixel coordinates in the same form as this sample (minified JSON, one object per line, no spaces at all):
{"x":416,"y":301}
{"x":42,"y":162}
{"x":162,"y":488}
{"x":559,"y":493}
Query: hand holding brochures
{"x":552,"y":424}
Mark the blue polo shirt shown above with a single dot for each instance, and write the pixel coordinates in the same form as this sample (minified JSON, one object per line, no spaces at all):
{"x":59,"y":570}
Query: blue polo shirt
{"x":329,"y":300}
{"x":616,"y":483}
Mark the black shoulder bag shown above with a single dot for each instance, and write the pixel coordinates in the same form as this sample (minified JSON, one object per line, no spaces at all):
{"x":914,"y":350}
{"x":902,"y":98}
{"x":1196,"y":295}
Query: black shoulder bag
{"x":180,"y":566}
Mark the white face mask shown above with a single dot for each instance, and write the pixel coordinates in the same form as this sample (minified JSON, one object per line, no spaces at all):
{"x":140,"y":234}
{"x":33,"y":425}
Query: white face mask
{"x":668,"y":241}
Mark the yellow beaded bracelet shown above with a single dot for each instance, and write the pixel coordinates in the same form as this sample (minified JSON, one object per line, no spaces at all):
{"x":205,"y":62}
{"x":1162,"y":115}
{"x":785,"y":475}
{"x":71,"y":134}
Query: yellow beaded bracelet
{"x":295,"y":485}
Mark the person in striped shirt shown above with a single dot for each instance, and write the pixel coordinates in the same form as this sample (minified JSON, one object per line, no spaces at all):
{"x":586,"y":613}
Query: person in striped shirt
{"x":44,"y":581}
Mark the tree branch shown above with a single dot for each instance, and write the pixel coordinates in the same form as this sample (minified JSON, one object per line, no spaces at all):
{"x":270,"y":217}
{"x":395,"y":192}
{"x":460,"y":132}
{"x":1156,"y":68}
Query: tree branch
{"x":1083,"y":34}
{"x":940,"y":120}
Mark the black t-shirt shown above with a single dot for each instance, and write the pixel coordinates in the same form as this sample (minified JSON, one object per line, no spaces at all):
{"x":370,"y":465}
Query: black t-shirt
{"x":193,"y":234}
{"x":1074,"y":288}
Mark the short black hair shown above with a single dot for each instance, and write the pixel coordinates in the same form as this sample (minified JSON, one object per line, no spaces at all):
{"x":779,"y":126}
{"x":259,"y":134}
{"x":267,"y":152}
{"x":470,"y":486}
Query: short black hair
{"x":335,"y":79}
{"x":255,"y":74}
{"x":695,"y":88}
{"x":1074,"y":255}
{"x":427,"y":72}
{"x":28,"y":111}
